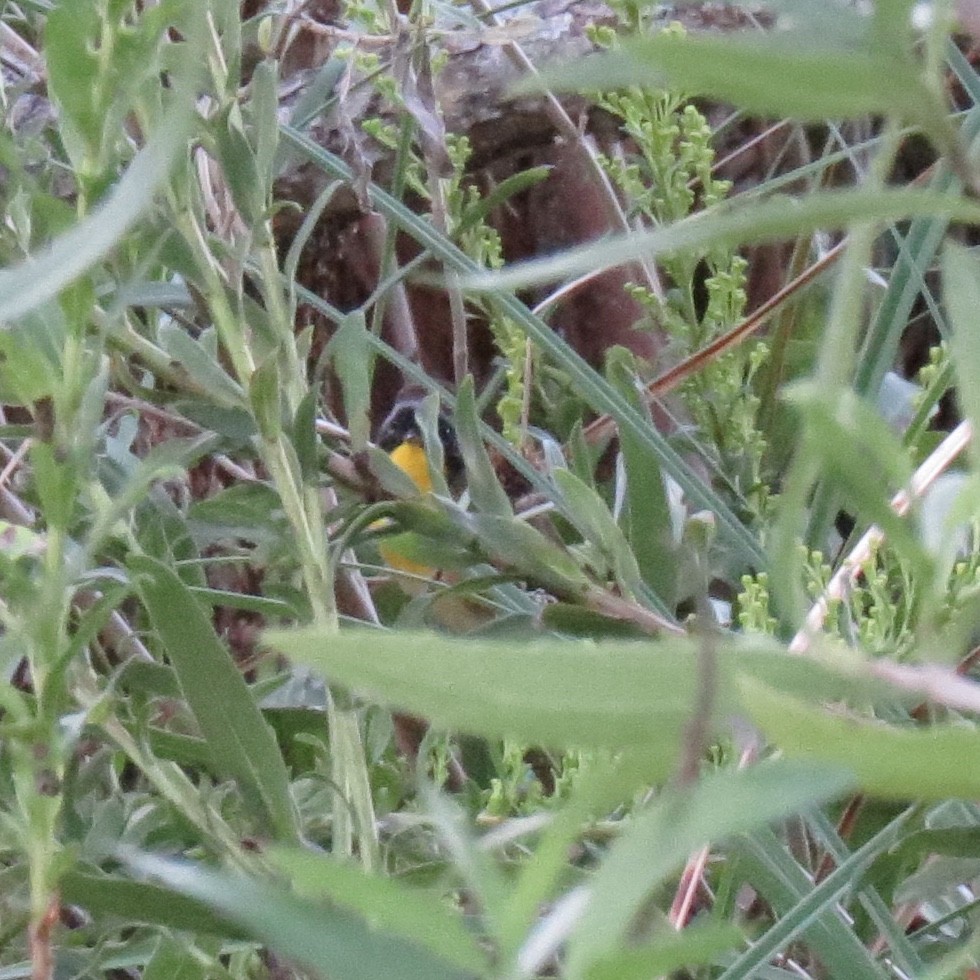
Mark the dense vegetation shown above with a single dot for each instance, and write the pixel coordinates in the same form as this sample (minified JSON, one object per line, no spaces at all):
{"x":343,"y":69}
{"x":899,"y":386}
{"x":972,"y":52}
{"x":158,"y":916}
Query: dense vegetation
{"x":692,"y":636}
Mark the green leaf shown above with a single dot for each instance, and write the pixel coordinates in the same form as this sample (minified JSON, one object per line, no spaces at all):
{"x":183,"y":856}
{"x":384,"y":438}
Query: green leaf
{"x":201,"y":365}
{"x":647,"y":509}
{"x":304,"y":436}
{"x":807,"y":911}
{"x":776,"y":75}
{"x":95,"y":91}
{"x":265,"y":396}
{"x":29,"y":284}
{"x":71,"y":44}
{"x":658,"y":840}
{"x":578,"y":621}
{"x":171,"y":458}
{"x":242,"y":743}
{"x":917,"y":249}
{"x":143,"y":676}
{"x":30,"y":356}
{"x":961,"y":291}
{"x":742,"y":221}
{"x":771,"y":74}
{"x":185,"y":750}
{"x":961,"y":842}
{"x":265,"y":124}
{"x":56,"y":481}
{"x":352,"y":362}
{"x":525,"y":550}
{"x":609,"y":695}
{"x":485,"y":489}
{"x":427,"y":416}
{"x":899,"y":763}
{"x":697,"y":945}
{"x":862,"y":455}
{"x":243,"y":510}
{"x":172,"y":960}
{"x":589,"y":514}
{"x":387,"y":904}
{"x":328,"y":939}
{"x":238,"y":165}
{"x":235,"y":424}
{"x":17,"y":541}
{"x":499,"y":194}
{"x":138,"y":901}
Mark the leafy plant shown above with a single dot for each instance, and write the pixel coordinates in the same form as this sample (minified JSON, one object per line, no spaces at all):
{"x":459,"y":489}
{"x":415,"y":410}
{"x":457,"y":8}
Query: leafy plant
{"x":691,"y":732}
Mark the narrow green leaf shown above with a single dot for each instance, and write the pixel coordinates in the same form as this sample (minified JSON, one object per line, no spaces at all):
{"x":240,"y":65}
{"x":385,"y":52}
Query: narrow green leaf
{"x":613,"y":694}
{"x":609,"y":695}
{"x":525,"y":550}
{"x":589,"y":514}
{"x":900,"y":763}
{"x":647,"y":510}
{"x":139,"y":901}
{"x":242,"y":743}
{"x":352,"y":362}
{"x":734,"y":223}
{"x":903,"y":948}
{"x":72,"y":37}
{"x":860,"y":454}
{"x":385,"y":903}
{"x":238,"y":165}
{"x":185,"y":750}
{"x":485,"y":489}
{"x":332,"y":941}
{"x":680,"y":822}
{"x":916,"y":252}
{"x":170,"y":458}
{"x":304,"y":436}
{"x":148,"y":678}
{"x":235,"y":424}
{"x":500,"y":194}
{"x":951,"y":841}
{"x":698,"y":945}
{"x":56,"y":482}
{"x":961,"y":291}
{"x":265,"y":396}
{"x":264,"y":105}
{"x":264,"y":605}
{"x":201,"y":365}
{"x":172,"y":960}
{"x":772,"y":74}
{"x":806,"y":910}
{"x":427,"y":416}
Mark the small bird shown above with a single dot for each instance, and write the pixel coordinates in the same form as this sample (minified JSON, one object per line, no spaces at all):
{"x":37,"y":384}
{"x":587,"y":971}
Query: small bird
{"x":402,"y":438}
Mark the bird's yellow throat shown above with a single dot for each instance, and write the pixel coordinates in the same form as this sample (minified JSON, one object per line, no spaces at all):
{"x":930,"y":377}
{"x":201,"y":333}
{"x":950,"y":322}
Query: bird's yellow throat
{"x":409,"y":456}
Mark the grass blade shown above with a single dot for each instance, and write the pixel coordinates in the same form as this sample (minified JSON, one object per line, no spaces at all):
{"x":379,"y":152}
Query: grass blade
{"x":243,"y":745}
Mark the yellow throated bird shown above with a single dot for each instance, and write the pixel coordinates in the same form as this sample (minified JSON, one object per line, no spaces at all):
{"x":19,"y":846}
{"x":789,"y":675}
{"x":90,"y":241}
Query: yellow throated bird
{"x":401,"y":437}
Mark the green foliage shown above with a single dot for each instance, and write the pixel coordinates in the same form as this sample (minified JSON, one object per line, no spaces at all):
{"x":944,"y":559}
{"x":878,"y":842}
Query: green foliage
{"x":202,"y":678}
{"x":670,"y":176}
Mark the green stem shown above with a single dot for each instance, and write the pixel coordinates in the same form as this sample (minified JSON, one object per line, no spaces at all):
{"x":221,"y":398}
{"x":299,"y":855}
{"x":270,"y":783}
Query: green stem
{"x":353,"y":810}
